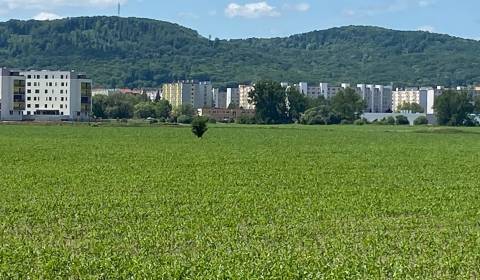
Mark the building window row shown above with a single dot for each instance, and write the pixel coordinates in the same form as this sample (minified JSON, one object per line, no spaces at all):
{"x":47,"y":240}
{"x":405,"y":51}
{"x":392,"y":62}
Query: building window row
{"x":38,"y":77}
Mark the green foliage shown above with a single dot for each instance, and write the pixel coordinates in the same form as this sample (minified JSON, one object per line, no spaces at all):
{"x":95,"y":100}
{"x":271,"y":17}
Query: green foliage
{"x":163,"y":109}
{"x":362,"y":121}
{"x":422,"y":120}
{"x":135,"y":52}
{"x":185,"y":110}
{"x":411,"y":107}
{"x":199,"y":126}
{"x":185,"y":119}
{"x":401,"y":120}
{"x":387,"y":121}
{"x":348,"y":104}
{"x":322,"y":115}
{"x":297,"y":104}
{"x":289,"y":202}
{"x":453,"y":108}
{"x":269,"y":98}
{"x":145,"y":110}
{"x":245,"y":120}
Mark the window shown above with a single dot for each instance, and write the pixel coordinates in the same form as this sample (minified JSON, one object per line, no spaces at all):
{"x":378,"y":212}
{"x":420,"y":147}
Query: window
{"x":49,"y":99}
{"x":37,"y":91}
{"x":29,"y":76}
{"x":61,"y":99}
{"x":61,"y":91}
{"x":11,"y":112}
{"x":29,"y":105}
{"x":46,"y":91}
{"x":28,"y":113}
{"x":61,"y":76}
{"x":61,"y":106}
{"x":50,"y":84}
{"x":46,"y":76}
{"x":46,"y":106}
{"x":37,"y":105}
{"x":29,"y":98}
{"x":29,"y":84}
{"x":62,"y":84}
{"x":29,"y":91}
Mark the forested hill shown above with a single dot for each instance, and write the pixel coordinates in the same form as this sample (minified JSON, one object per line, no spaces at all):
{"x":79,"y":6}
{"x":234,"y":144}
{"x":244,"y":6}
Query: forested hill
{"x":137,"y":52}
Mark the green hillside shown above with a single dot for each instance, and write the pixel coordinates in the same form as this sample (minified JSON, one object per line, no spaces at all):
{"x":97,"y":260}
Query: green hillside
{"x":137,"y":52}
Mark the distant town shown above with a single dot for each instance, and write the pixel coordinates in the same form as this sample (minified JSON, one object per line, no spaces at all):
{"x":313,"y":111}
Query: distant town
{"x":67,"y":95}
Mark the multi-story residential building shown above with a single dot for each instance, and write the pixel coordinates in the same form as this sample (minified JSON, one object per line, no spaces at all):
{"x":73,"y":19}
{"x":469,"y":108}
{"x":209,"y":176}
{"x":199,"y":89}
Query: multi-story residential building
{"x":244,"y":91}
{"x":197,"y":94}
{"x":233,"y":97}
{"x":424,"y":96}
{"x":12,"y":95}
{"x":219,"y":98}
{"x":378,"y":98}
{"x":65,"y":94}
{"x":323,"y":89}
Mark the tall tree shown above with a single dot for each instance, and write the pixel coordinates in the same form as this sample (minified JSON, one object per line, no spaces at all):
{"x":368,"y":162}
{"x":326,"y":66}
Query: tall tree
{"x":348,"y":104}
{"x":270,"y":102}
{"x":453,"y":108}
{"x":297,"y":104}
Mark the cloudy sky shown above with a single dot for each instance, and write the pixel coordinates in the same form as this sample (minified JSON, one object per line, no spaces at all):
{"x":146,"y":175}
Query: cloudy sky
{"x":269,"y":18}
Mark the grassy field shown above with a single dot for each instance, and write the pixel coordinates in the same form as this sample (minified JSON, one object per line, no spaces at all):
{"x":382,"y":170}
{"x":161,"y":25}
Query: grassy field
{"x":244,"y":202}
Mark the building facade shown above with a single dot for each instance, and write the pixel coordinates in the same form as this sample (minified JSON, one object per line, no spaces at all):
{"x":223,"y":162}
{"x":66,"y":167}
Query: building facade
{"x":219,"y":99}
{"x":323,"y":89}
{"x":197,"y":94}
{"x":378,"y":98}
{"x":12,"y":95}
{"x":425,"y":97}
{"x":244,"y":91}
{"x":226,"y":115}
{"x":60,"y":94}
{"x":233,"y":97}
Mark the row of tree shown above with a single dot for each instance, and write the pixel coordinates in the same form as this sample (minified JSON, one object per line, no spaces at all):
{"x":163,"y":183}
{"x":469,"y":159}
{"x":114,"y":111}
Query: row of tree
{"x":277,"y":105}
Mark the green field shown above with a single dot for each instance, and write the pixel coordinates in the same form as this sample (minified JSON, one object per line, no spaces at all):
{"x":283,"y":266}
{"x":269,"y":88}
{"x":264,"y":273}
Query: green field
{"x":244,"y":202}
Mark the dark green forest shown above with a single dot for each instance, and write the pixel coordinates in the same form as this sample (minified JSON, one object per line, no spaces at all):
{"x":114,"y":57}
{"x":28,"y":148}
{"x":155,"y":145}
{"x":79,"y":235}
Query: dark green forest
{"x":136,"y":52}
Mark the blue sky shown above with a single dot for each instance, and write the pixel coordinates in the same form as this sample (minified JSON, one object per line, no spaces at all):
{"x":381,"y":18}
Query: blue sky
{"x":269,"y":18}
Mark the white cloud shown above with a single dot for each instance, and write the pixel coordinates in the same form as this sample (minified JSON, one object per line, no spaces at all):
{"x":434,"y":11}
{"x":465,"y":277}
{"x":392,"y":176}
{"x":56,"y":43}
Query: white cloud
{"x":251,"y":10}
{"x":426,"y":28}
{"x":300,"y":7}
{"x":46,"y":16}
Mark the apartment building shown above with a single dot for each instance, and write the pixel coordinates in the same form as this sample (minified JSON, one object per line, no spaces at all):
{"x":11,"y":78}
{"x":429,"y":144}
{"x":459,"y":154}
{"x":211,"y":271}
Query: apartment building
{"x":323,"y":89}
{"x":244,"y":91}
{"x":378,"y":98}
{"x":58,"y":94}
{"x":197,"y":94}
{"x":12,"y":95}
{"x":233,"y":97}
{"x":424,"y":96}
{"x":219,"y":98}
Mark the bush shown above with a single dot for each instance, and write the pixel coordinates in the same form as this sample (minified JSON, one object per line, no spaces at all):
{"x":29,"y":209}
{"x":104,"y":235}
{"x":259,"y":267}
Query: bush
{"x":402,"y":120}
{"x":387,"y":121}
{"x":422,"y":120}
{"x":245,"y":120}
{"x":346,"y":122}
{"x":212,"y":121}
{"x":184,"y":119}
{"x":199,"y":126}
{"x":360,"y":122}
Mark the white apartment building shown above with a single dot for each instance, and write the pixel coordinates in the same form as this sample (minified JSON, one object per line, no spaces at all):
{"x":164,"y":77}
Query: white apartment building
{"x":323,"y":89}
{"x":425,"y":97}
{"x":60,"y":94}
{"x":233,"y":97}
{"x":244,"y":91}
{"x":197,"y":94}
{"x":219,"y":99}
{"x":12,"y":95}
{"x":378,"y":98}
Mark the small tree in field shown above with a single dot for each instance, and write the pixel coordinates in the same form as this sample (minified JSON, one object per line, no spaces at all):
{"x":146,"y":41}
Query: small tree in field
{"x":199,"y":126}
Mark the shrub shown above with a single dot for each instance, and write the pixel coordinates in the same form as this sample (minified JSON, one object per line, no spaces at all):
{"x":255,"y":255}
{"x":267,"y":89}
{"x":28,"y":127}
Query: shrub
{"x":245,"y":120}
{"x":402,"y":120}
{"x":212,"y":121}
{"x":346,"y":122}
{"x":199,"y":126}
{"x":184,"y":119}
{"x":387,"y":121}
{"x":360,"y":122}
{"x":422,"y":120}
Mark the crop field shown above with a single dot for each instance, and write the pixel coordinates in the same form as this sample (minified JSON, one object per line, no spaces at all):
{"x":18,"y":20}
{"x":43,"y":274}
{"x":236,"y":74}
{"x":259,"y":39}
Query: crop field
{"x":245,"y":202}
